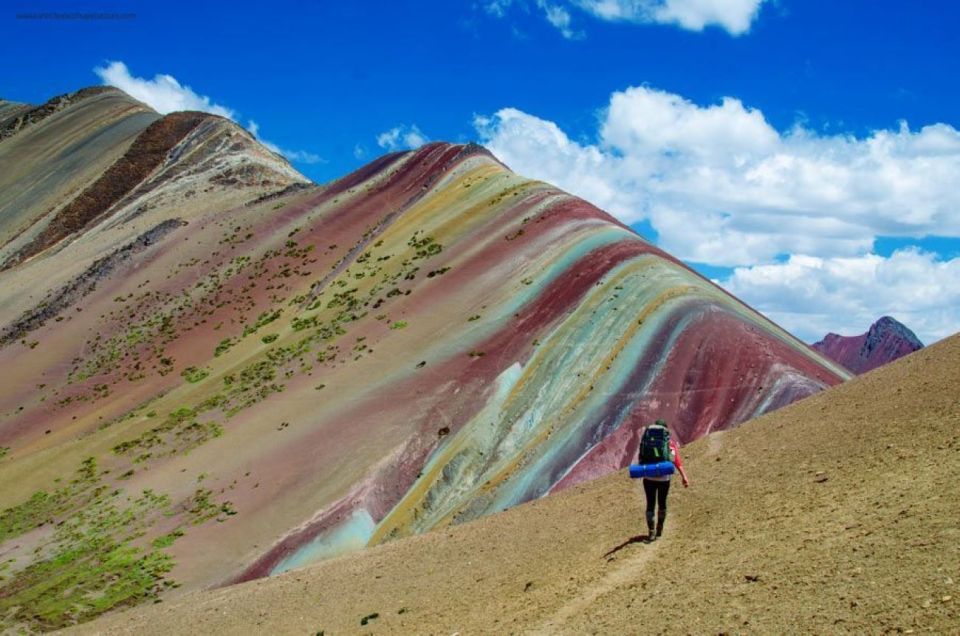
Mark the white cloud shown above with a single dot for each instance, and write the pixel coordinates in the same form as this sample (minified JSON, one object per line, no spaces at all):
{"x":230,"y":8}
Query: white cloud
{"x":559,"y":17}
{"x":812,"y":296}
{"x":165,"y":94}
{"x":735,"y":16}
{"x":645,"y":121}
{"x":555,"y":12}
{"x":538,"y":148}
{"x":721,"y":186}
{"x":401,"y":137}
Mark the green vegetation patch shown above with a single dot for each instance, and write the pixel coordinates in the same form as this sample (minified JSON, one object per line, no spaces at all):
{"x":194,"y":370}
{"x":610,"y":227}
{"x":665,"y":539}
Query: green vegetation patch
{"x":93,"y":568}
{"x":46,"y":508}
{"x":425,"y":246}
{"x":167,"y":540}
{"x":202,"y":507}
{"x":89,"y":563}
{"x":223,"y":347}
{"x":194,"y":375}
{"x":179,"y":432}
{"x":299,"y":324}
{"x":263,"y":319}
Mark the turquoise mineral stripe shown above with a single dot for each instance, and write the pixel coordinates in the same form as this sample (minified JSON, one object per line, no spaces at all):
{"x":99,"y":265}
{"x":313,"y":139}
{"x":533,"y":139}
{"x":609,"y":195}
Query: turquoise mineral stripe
{"x":576,"y":438}
{"x":352,"y":534}
{"x":580,"y":343}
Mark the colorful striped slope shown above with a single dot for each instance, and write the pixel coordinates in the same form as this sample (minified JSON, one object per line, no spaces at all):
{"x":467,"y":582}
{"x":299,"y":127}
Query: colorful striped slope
{"x":221,"y":372}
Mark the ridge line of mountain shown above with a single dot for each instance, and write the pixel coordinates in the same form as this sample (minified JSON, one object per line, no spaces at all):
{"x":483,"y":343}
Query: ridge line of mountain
{"x":13,"y":125}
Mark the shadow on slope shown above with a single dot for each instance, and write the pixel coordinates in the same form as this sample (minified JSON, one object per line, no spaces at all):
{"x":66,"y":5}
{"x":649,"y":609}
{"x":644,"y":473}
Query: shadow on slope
{"x":836,"y":514}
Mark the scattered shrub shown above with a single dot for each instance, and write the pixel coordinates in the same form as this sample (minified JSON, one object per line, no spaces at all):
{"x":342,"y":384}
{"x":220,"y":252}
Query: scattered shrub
{"x":193,"y":374}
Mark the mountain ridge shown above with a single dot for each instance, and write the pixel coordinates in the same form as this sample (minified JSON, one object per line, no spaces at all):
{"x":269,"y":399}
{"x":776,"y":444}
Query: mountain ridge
{"x":259,"y":372}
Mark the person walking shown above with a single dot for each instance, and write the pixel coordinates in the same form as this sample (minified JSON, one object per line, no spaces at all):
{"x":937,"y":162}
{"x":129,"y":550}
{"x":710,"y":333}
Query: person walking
{"x":657,"y":445}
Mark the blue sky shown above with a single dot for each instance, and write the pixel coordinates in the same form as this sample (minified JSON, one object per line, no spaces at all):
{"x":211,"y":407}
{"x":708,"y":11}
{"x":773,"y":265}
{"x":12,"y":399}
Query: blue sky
{"x":801,"y":152}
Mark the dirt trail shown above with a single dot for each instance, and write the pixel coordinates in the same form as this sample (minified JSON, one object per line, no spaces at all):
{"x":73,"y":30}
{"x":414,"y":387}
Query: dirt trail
{"x":839,"y":514}
{"x":628,"y":571}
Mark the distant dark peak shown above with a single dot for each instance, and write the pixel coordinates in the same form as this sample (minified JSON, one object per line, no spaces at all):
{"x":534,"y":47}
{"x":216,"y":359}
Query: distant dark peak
{"x":887,"y":325}
{"x":885,"y":341}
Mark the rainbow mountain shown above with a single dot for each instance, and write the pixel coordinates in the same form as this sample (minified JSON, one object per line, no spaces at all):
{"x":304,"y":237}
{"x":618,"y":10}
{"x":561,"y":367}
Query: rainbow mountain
{"x":216,"y":370}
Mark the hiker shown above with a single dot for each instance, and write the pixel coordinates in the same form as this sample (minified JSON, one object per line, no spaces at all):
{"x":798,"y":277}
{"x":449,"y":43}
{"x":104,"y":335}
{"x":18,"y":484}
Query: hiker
{"x":657,"y":445}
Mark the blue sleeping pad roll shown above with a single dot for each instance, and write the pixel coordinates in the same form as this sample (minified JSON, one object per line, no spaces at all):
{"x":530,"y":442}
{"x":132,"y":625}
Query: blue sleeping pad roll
{"x":660,"y":469}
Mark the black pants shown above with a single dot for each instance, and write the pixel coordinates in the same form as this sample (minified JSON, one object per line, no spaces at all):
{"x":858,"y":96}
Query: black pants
{"x":656,"y":492}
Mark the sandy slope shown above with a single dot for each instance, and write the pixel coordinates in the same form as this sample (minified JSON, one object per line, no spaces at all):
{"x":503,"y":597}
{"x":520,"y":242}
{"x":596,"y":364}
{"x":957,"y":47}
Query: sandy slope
{"x":839,"y":514}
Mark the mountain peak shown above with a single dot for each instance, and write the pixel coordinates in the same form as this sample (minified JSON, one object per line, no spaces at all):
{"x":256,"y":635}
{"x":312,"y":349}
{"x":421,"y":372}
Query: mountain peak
{"x":886,"y":340}
{"x":128,"y":161}
{"x":888,"y":325}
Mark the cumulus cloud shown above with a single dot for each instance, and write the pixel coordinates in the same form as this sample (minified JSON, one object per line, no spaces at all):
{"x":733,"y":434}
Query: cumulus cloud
{"x":402,"y":137}
{"x":165,"y":95}
{"x":812,"y":296}
{"x":735,"y":16}
{"x":721,"y":186}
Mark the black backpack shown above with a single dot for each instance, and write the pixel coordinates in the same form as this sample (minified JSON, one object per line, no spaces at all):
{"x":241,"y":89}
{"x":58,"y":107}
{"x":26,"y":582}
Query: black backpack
{"x":655,"y":445}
